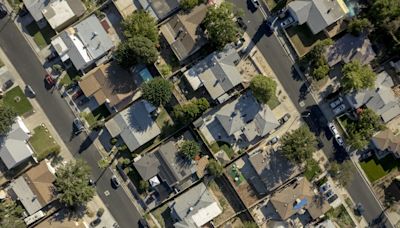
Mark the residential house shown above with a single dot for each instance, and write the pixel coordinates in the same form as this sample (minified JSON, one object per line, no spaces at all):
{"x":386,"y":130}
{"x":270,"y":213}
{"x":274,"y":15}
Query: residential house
{"x":35,"y":8}
{"x":14,"y":147}
{"x":125,"y":7}
{"x":350,"y":48}
{"x":160,"y":9}
{"x":84,"y":44}
{"x":183,"y":32}
{"x":299,"y":198}
{"x":386,"y":142}
{"x":317,"y":14}
{"x":243,"y":119}
{"x":380,"y":99}
{"x":135,"y":125}
{"x":194,"y":208}
{"x":34,"y":189}
{"x":165,"y":169}
{"x":109,"y":84}
{"x":217,"y":73}
{"x":61,"y":13}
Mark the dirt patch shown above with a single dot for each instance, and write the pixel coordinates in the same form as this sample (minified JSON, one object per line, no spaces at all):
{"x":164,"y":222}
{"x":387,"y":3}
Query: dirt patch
{"x":227,"y":210}
{"x":245,"y":191}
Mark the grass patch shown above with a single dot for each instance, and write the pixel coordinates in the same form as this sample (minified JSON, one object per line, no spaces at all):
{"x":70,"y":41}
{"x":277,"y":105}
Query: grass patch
{"x":273,"y":102}
{"x":165,"y":123}
{"x":376,"y":169}
{"x":70,"y":77}
{"x":42,"y":37}
{"x":340,"y":216}
{"x":219,"y":145}
{"x":165,"y":70}
{"x":14,"y":3}
{"x":43,"y":143}
{"x":97,"y":114}
{"x":303,"y":39}
{"x":312,"y":169}
{"x":17,"y":99}
{"x":214,"y":147}
{"x":236,"y":175}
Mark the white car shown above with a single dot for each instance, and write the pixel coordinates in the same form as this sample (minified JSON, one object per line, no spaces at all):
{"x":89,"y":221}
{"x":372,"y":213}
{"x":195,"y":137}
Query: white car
{"x":336,"y":102}
{"x":339,"y":140}
{"x":287,"y":22}
{"x":339,"y":109}
{"x":333,"y":129}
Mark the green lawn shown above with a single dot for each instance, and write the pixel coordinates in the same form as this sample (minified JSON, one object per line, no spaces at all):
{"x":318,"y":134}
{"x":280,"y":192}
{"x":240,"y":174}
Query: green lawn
{"x":303,"y":39}
{"x":236,"y":175}
{"x":97,"y":114}
{"x":42,"y":37}
{"x":43,"y":143}
{"x":273,"y":102}
{"x":312,"y":169}
{"x":340,"y":216}
{"x":376,"y":169}
{"x":17,"y":99}
{"x":71,"y":75}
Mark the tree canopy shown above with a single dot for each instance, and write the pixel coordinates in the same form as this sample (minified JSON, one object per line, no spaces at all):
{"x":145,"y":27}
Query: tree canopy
{"x":263,"y":88}
{"x":342,"y":172}
{"x":157,"y":91}
{"x":220,"y":24}
{"x":141,"y":23}
{"x":7,"y":119}
{"x":361,"y":131}
{"x":299,"y":144}
{"x":215,"y":168}
{"x":189,"y":149}
{"x":11,"y":214}
{"x":319,"y":68}
{"x":191,"y":110}
{"x":358,"y":26}
{"x":189,"y":4}
{"x":357,"y":77}
{"x":72,"y":184}
{"x":135,"y":50}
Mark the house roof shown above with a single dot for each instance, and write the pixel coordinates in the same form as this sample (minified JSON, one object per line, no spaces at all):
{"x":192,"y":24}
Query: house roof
{"x":109,"y":83}
{"x":57,"y":13}
{"x":349,"y":48}
{"x":147,"y":166}
{"x":381,"y":99}
{"x":247,"y":115}
{"x":159,"y":9}
{"x":40,"y":181}
{"x":134,"y":124}
{"x":25,"y":195}
{"x":183,"y":32}
{"x":296,"y":197}
{"x":195,"y":207}
{"x":35,"y":8}
{"x":318,"y":14}
{"x":386,"y":140}
{"x":85,"y":42}
{"x":217,"y":72}
{"x":13,"y":147}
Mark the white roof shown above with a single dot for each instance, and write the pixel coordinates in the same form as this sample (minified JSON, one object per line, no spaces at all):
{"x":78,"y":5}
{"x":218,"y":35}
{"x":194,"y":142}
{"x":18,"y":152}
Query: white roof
{"x":60,"y":48}
{"x":154,"y":181}
{"x":193,"y":79}
{"x":206,"y":214}
{"x":57,"y":13}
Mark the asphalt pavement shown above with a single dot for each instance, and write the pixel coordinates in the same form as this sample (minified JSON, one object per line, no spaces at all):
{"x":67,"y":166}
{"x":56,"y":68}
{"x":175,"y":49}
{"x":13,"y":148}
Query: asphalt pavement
{"x":276,"y":56}
{"x":28,"y":66}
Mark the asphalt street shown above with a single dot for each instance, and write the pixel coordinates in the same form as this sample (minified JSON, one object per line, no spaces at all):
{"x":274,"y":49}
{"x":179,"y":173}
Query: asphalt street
{"x":32,"y":72}
{"x":281,"y":64}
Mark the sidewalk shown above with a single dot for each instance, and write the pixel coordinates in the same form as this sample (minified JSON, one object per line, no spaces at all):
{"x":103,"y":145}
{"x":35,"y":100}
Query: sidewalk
{"x":40,"y":117}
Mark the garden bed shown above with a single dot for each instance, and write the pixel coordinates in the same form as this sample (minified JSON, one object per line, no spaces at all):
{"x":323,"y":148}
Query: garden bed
{"x":17,"y":99}
{"x":43,"y":143}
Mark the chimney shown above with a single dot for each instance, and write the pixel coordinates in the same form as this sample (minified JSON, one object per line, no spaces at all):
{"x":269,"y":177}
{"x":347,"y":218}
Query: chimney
{"x":94,"y":34}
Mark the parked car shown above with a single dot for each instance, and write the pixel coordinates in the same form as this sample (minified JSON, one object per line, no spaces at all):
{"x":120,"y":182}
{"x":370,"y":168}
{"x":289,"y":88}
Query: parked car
{"x":274,"y":140}
{"x":339,"y":109}
{"x":30,"y":91}
{"x":336,"y":102}
{"x":255,"y":3}
{"x":3,"y":10}
{"x":53,"y":55}
{"x":360,"y":209}
{"x":332,"y":198}
{"x":339,"y":140}
{"x":83,"y":101}
{"x":78,"y":126}
{"x":284,"y":119}
{"x":95,"y":222}
{"x":328,"y":194}
{"x":333,"y":129}
{"x":49,"y":80}
{"x":91,"y":182}
{"x":241,"y":23}
{"x":115,"y":181}
{"x":77,"y":94}
{"x":269,"y":28}
{"x":325,"y":187}
{"x":287,"y":22}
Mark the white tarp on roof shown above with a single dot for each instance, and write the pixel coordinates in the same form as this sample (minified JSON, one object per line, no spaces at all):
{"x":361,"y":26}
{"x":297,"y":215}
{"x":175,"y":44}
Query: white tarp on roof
{"x":206,"y":214}
{"x":193,"y":79}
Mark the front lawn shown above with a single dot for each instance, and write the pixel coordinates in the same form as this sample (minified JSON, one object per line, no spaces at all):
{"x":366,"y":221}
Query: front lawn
{"x":340,"y":216}
{"x":97,"y":114}
{"x":43,"y":143}
{"x":303,"y":39}
{"x":42,"y":37}
{"x":71,"y":76}
{"x":273,"y":102}
{"x":376,"y":169}
{"x":17,"y":99}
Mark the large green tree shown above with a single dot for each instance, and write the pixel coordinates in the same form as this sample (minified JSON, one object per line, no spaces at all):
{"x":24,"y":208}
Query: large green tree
{"x":299,"y":144}
{"x":358,"y":26}
{"x":7,"y":119}
{"x":141,"y":23}
{"x":72,"y":184}
{"x":191,"y":110}
{"x":138,"y":49}
{"x":357,"y":77}
{"x":189,"y":149}
{"x":263,"y":88}
{"x":189,"y":4}
{"x":342,"y":172}
{"x":11,"y":214}
{"x":157,"y":91}
{"x":220,"y":24}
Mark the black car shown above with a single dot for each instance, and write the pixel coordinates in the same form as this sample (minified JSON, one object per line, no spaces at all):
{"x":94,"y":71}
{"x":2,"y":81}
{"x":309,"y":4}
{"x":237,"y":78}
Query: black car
{"x":78,"y":126}
{"x":3,"y":11}
{"x":241,"y":23}
{"x":95,"y":222}
{"x":269,"y":29}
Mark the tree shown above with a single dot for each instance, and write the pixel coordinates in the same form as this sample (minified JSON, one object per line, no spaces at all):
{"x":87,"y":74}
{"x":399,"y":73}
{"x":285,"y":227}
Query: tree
{"x":357,"y":77}
{"x":72,"y":184}
{"x":263,"y":88}
{"x":361,"y":131}
{"x":141,"y":23}
{"x":189,"y":149}
{"x":143,"y":185}
{"x":157,"y":91}
{"x":138,"y":49}
{"x":103,"y":163}
{"x":299,"y":144}
{"x":11,"y":214}
{"x":318,"y":50}
{"x":221,"y":26}
{"x":189,"y":4}
{"x":7,"y":119}
{"x":191,"y":110}
{"x":358,"y":26}
{"x":321,"y":71}
{"x":215,"y":168}
{"x":342,"y":172}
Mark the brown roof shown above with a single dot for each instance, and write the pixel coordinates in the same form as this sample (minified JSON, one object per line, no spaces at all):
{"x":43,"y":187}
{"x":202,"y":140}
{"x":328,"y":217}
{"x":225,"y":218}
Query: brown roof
{"x":109,"y":82}
{"x":386,"y":140}
{"x":40,"y":181}
{"x":285,"y":201}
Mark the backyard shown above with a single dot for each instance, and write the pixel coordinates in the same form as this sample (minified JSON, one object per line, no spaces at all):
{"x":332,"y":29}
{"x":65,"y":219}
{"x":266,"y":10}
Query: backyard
{"x":16,"y":98}
{"x":376,"y":169}
{"x":42,"y":37}
{"x":303,"y":39}
{"x":227,"y":209}
{"x":340,"y":216}
{"x":43,"y":143}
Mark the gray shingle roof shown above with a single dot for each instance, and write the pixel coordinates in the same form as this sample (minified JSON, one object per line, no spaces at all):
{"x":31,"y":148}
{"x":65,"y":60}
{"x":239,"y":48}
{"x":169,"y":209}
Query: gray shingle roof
{"x":25,"y":195}
{"x":35,"y":8}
